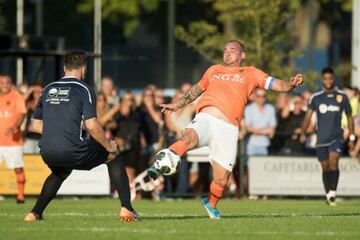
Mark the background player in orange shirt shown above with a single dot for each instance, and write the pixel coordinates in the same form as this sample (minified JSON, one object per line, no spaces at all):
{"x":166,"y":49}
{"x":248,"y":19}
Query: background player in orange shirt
{"x":12,"y":114}
{"x":224,"y":90}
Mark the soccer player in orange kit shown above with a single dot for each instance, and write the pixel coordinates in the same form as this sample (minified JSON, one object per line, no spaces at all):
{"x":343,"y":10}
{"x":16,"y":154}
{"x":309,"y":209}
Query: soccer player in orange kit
{"x":224,"y":90}
{"x":12,"y":114}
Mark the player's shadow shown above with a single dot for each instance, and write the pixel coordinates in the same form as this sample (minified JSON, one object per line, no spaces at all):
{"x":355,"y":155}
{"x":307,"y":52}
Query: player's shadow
{"x":247,"y":216}
{"x":184,"y":217}
{"x":356,"y":214}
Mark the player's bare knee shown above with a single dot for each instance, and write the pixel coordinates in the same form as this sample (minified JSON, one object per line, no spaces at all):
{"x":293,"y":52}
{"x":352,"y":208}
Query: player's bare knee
{"x":333,"y":166}
{"x":325,"y":165}
{"x":222,"y":181}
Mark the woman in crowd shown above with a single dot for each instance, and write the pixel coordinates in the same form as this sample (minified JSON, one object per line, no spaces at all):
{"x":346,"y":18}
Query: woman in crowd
{"x":31,"y":138}
{"x":151,"y":125}
{"x":123,"y":123}
{"x":293,"y":116}
{"x":176,"y":123}
{"x":127,"y":136}
{"x":102,"y":107}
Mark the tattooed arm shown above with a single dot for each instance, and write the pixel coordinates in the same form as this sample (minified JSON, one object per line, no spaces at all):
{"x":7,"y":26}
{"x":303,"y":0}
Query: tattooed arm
{"x":193,"y":93}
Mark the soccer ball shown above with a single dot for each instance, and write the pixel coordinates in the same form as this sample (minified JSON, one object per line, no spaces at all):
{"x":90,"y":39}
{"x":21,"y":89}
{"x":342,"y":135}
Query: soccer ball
{"x":167,"y":162}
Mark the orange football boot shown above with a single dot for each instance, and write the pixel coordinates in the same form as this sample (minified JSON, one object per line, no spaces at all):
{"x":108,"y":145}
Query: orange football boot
{"x":32,"y":217}
{"x":128,"y":216}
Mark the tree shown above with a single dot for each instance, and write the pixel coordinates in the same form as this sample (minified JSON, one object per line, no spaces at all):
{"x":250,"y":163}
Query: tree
{"x":126,"y":11}
{"x":263,"y":26}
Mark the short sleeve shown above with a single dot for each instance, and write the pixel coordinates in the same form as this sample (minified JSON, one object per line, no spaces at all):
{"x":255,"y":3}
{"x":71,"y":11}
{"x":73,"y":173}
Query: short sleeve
{"x":312,"y":104}
{"x":20,"y":105}
{"x":205,"y":80}
{"x":38,"y":113}
{"x":89,"y":103}
{"x":262,"y":80}
{"x":347,"y":106}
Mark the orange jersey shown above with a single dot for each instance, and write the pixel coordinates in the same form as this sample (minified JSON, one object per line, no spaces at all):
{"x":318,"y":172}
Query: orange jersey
{"x":229,"y":88}
{"x":12,"y":105}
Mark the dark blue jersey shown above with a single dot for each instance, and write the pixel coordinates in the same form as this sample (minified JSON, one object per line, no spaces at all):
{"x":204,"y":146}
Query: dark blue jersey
{"x":329,"y":107}
{"x":64,"y":106}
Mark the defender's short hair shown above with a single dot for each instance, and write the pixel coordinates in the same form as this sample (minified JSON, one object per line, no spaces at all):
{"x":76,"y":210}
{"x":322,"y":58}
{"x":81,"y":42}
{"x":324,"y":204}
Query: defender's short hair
{"x":75,"y":60}
{"x":327,"y":70}
{"x":242,"y":46}
{"x":5,"y":75}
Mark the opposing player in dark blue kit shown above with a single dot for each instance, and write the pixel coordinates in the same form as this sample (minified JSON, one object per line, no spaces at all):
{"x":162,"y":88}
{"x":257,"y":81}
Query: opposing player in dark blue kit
{"x":66,"y":107}
{"x":329,"y":104}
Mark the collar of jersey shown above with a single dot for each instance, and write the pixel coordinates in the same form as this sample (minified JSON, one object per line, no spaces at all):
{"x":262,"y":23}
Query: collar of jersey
{"x":67,"y":77}
{"x":335,"y":89}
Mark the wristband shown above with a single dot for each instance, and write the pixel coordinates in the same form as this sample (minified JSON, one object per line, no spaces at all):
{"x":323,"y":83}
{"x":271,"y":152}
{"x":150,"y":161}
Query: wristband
{"x":352,"y":137}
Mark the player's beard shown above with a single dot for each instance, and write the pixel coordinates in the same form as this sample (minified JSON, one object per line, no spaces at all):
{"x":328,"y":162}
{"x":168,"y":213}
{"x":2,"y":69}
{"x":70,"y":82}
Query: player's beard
{"x":230,"y":62}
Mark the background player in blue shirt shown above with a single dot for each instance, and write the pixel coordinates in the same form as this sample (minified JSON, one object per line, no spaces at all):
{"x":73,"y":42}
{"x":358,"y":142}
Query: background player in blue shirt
{"x":329,"y":104}
{"x":65,"y":108}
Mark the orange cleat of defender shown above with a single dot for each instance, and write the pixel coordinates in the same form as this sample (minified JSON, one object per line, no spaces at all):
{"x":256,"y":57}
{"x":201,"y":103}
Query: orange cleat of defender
{"x":128,"y":216}
{"x":32,"y":217}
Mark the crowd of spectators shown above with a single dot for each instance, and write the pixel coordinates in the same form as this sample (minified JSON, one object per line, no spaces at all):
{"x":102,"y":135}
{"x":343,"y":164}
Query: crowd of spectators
{"x":135,"y":122}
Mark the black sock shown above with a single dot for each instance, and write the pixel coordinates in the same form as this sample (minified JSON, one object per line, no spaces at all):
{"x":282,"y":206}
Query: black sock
{"x":334,"y":176}
{"x":329,"y":179}
{"x":49,"y":189}
{"x":120,"y":180}
{"x":337,"y":176}
{"x":325,"y":181}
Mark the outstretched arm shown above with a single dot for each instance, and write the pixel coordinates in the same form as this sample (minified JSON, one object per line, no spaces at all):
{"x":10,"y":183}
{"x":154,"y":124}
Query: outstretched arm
{"x":284,"y":86}
{"x":193,"y":93}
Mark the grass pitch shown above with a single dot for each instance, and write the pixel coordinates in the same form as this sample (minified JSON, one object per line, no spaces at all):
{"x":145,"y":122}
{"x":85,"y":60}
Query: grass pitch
{"x":186,"y":219}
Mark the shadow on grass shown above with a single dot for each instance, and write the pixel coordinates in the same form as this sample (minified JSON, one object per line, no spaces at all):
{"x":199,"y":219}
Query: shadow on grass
{"x":357,"y":214}
{"x":248,"y":216}
{"x":185,"y":217}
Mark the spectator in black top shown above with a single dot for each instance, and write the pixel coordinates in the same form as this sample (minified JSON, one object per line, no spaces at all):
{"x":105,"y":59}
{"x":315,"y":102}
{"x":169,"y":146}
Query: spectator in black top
{"x":277,"y":142}
{"x":293,"y":116}
{"x":64,"y":108}
{"x":150,"y":124}
{"x":126,"y":133}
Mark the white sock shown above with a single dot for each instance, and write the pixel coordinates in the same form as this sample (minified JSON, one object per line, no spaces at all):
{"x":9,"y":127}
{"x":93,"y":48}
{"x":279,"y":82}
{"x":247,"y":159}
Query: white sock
{"x":330,"y":194}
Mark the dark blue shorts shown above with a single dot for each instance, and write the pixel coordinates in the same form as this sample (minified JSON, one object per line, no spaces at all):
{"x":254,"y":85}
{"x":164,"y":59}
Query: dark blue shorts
{"x":85,"y":159}
{"x":336,"y":146}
